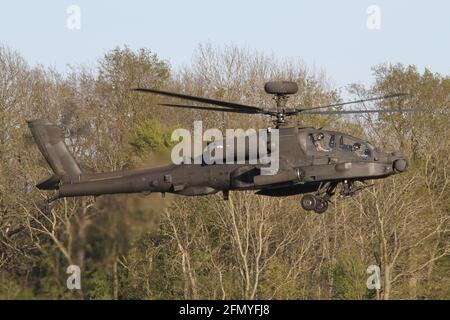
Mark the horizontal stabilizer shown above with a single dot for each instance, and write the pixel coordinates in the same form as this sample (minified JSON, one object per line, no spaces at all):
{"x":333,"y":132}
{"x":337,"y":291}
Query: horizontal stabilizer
{"x":49,"y":183}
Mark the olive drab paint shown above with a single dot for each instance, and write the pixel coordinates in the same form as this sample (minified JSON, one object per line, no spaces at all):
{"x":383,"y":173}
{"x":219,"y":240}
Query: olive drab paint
{"x":280,"y":161}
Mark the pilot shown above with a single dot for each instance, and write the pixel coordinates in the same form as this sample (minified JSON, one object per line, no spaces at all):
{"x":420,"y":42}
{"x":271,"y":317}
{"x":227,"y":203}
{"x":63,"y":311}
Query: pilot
{"x":357,"y":148}
{"x":319,"y":143}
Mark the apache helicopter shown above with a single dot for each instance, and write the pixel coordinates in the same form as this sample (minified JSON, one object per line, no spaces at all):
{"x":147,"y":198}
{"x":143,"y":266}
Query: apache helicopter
{"x":311,"y":161}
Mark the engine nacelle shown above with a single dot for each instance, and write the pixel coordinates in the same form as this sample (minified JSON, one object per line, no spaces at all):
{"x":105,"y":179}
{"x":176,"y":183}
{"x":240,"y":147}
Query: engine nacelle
{"x":244,"y":148}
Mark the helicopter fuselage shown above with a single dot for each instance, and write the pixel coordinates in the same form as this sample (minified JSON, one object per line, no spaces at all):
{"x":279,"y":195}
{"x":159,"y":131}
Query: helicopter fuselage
{"x":307,"y":159}
{"x":305,"y":164}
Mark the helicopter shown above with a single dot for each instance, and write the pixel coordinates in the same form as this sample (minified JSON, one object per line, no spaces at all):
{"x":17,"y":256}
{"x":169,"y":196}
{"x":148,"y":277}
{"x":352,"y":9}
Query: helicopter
{"x":312,"y":162}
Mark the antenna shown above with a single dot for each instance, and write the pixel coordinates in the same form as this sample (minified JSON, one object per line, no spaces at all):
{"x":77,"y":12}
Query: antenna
{"x":281,"y":91}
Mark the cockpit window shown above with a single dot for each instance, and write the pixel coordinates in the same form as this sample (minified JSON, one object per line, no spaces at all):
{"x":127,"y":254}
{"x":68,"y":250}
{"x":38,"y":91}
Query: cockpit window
{"x":322,"y":141}
{"x":359,"y":148}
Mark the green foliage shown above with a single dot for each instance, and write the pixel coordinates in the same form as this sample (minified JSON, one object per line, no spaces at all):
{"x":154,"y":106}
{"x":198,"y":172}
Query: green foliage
{"x":274,"y":284}
{"x":98,"y":285}
{"x":150,"y":137}
{"x":349,"y":279}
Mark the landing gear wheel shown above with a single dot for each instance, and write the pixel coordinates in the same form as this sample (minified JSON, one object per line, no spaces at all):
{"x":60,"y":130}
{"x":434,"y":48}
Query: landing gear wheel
{"x":308,"y":202}
{"x":321,"y":205}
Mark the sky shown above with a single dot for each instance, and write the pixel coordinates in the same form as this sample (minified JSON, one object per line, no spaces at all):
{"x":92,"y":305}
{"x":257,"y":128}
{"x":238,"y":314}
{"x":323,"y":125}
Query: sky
{"x":345,"y":38}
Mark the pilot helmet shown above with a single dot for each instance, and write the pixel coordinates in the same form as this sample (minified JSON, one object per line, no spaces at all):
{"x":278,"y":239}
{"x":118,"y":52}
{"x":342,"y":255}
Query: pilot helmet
{"x":357,"y":146}
{"x":320,"y":136}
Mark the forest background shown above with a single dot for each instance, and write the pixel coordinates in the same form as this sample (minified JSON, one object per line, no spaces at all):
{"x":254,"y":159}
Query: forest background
{"x":250,"y":247}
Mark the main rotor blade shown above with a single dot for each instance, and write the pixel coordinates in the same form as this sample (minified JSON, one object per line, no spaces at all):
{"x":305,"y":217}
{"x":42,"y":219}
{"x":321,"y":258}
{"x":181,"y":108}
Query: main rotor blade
{"x":199,"y":99}
{"x":359,"y":111}
{"x":389,"y":96}
{"x":208,"y":108}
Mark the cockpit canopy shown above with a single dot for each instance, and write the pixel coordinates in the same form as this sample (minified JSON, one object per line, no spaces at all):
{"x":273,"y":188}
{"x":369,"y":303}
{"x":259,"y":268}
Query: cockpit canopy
{"x":331,"y":142}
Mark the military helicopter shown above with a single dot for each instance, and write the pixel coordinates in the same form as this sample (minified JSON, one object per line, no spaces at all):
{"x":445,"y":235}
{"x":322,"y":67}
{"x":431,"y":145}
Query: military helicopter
{"x":312,"y":161}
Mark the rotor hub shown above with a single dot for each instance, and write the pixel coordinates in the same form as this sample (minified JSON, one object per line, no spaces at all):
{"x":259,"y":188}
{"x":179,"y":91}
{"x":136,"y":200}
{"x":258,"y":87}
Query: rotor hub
{"x":280,"y":116}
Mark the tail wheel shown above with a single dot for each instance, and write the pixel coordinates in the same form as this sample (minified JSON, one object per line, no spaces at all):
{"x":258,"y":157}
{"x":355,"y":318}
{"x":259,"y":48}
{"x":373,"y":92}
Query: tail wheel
{"x":321,"y":205}
{"x":308,"y":202}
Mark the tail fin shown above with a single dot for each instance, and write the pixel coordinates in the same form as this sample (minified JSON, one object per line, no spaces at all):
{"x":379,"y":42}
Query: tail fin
{"x":50,"y":141}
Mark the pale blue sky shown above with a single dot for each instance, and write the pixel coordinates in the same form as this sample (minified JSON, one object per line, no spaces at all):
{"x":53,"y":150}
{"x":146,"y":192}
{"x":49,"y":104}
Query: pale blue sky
{"x":328,"y":34}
